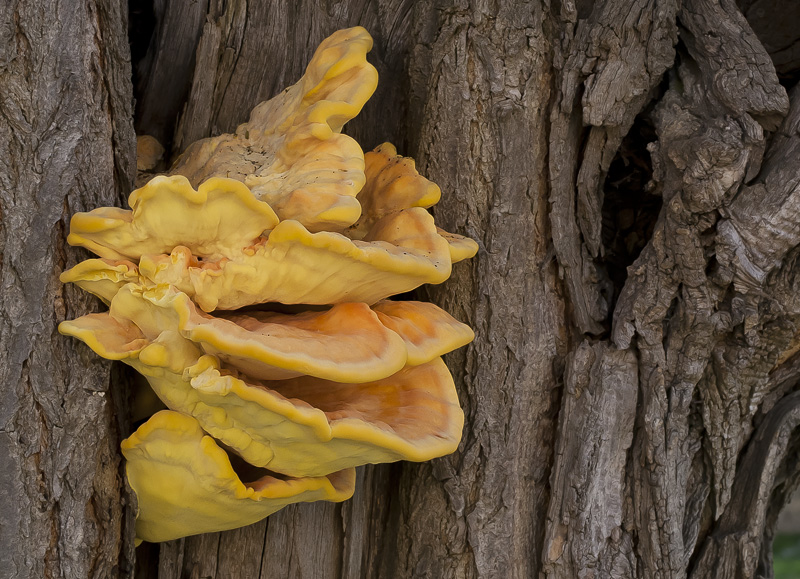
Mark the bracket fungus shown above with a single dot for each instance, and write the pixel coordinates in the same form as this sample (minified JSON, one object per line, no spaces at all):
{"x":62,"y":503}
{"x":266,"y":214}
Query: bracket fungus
{"x":249,"y":287}
{"x":185,"y":482}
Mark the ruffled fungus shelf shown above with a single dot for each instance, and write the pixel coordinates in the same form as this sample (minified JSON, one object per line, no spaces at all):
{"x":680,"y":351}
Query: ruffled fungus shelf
{"x":320,"y":373}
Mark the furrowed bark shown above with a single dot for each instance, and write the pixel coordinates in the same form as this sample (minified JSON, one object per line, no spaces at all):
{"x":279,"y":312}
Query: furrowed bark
{"x":608,"y":61}
{"x":165,"y":71}
{"x":485,"y":84}
{"x":66,"y":145}
{"x":735,"y":547}
{"x":588,"y":504}
{"x":688,"y":337}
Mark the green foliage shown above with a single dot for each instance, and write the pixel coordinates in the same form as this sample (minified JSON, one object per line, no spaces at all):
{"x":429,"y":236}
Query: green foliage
{"x":786,"y":556}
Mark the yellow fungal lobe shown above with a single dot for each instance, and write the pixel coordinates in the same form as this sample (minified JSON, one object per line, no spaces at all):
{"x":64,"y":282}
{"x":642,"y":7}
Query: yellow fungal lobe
{"x":110,"y":338}
{"x":347,"y":342}
{"x":290,"y":153}
{"x":294,"y":426}
{"x":427,"y":330}
{"x":102,"y":277}
{"x":461,"y":247}
{"x":219,"y":218}
{"x":295,"y":266}
{"x":392,"y":184}
{"x":307,"y":426}
{"x":185,"y":483}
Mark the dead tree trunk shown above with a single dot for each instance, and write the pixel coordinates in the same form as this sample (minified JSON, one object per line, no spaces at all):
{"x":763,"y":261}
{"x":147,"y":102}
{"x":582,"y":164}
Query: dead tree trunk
{"x":631,"y":171}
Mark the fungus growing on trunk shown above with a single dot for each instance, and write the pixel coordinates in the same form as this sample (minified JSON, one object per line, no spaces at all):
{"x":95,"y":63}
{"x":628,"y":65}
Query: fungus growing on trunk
{"x":287,"y":264}
{"x":220,"y":217}
{"x":286,"y":214}
{"x":291,"y":153}
{"x":186,"y":485}
{"x":304,"y":394}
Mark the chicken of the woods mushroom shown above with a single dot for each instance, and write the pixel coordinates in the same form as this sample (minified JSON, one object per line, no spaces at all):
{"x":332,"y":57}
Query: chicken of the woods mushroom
{"x":321,"y":371}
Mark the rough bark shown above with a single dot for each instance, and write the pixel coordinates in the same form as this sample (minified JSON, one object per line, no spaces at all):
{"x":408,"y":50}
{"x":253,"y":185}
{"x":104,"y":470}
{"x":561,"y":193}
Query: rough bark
{"x":631,"y":171}
{"x":66,"y":144}
{"x":489,"y":67}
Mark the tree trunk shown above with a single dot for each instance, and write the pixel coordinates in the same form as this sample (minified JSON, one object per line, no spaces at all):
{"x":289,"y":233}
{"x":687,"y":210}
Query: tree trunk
{"x":631,"y":171}
{"x":66,"y":144}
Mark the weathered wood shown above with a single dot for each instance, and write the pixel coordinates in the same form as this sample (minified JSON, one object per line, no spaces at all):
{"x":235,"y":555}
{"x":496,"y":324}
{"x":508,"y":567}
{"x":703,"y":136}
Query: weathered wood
{"x":585,"y":518}
{"x":66,"y":145}
{"x":762,"y":221}
{"x":775,"y":23}
{"x":710,"y":142}
{"x":608,"y":60}
{"x":165,"y":71}
{"x":734,"y":548}
{"x":483,"y":76}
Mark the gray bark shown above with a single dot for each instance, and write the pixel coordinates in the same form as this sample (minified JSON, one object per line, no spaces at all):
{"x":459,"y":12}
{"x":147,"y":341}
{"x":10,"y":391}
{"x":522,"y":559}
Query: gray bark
{"x":66,"y":145}
{"x":631,"y":171}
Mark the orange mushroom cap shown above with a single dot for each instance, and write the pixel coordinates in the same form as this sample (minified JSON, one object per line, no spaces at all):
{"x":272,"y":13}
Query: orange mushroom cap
{"x":427,"y":330}
{"x":348,"y":342}
{"x":148,"y":152}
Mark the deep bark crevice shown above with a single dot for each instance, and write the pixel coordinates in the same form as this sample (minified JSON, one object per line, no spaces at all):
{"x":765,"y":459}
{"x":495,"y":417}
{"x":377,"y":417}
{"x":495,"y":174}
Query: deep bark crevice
{"x":141,"y":28}
{"x":631,"y":204}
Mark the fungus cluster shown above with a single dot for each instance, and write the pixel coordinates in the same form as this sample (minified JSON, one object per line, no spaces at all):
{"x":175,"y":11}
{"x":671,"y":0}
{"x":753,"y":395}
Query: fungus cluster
{"x":249,"y":286}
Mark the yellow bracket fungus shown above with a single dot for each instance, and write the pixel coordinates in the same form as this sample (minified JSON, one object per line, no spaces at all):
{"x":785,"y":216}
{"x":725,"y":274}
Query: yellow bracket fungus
{"x":285,"y":215}
{"x":185,"y":483}
{"x":294,"y":266}
{"x":427,"y":330}
{"x":218,"y":219}
{"x":290,"y":153}
{"x":305,"y":426}
{"x":102,"y":277}
{"x":347,"y":343}
{"x":402,"y":250}
{"x":392,"y":184}
{"x":461,"y":247}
